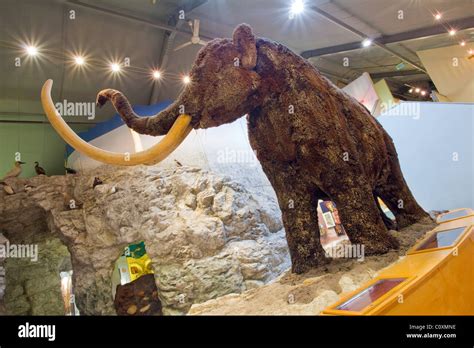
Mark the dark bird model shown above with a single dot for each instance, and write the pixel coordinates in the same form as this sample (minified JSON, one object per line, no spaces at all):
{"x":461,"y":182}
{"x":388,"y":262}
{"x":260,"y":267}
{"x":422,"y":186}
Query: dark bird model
{"x":39,"y":170}
{"x":97,"y":182}
{"x":70,"y":170}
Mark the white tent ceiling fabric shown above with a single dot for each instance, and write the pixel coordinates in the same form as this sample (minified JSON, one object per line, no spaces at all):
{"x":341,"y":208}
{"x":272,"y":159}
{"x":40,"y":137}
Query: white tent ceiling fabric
{"x":362,"y":89}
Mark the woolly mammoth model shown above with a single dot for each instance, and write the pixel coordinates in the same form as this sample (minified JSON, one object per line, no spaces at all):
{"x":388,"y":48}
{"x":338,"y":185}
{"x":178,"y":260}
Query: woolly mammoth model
{"x":312,"y":140}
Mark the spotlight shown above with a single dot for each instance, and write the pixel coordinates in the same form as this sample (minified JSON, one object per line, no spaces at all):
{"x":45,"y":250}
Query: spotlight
{"x":366,"y":43}
{"x":79,"y":60}
{"x":31,"y":50}
{"x":410,"y":90}
{"x":297,"y":7}
{"x":471,"y":51}
{"x":156,"y":74}
{"x":438,"y":16}
{"x":452,"y":32}
{"x":115,"y":67}
{"x":417,"y":90}
{"x":463,"y":43}
{"x":423,"y":93}
{"x":186,"y":79}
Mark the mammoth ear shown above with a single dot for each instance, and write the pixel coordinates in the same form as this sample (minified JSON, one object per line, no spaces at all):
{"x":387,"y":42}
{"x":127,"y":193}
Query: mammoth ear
{"x":245,"y":42}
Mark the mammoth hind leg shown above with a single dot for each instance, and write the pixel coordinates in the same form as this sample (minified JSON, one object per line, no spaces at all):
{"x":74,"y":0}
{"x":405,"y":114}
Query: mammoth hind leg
{"x":395,"y":193}
{"x":361,"y":217}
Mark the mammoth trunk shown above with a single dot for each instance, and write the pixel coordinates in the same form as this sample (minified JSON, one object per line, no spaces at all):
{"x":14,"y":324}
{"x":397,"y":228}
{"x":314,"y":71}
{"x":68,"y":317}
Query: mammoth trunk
{"x":161,"y":123}
{"x":155,"y":125}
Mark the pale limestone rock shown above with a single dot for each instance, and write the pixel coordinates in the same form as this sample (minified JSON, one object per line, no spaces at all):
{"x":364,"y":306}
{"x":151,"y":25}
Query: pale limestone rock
{"x":103,"y":188}
{"x":253,"y":284}
{"x":190,"y":201}
{"x":205,"y":198}
{"x":206,"y":235}
{"x":347,"y":284}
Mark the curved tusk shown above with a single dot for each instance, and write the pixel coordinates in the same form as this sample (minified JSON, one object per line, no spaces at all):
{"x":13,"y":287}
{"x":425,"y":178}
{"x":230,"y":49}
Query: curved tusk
{"x":178,"y":132}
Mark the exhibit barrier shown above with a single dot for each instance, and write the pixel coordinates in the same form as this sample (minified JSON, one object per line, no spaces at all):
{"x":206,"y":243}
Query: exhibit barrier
{"x":436,"y":276}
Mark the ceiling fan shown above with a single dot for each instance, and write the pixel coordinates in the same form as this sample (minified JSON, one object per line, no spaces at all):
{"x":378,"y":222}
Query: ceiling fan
{"x":195,"y":39}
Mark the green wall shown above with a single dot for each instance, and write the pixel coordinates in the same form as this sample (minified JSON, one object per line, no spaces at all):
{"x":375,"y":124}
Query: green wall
{"x":35,"y":142}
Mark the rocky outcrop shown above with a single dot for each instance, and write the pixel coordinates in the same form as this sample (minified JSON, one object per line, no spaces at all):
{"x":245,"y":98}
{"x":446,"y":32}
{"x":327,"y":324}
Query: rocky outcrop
{"x":205,"y":234}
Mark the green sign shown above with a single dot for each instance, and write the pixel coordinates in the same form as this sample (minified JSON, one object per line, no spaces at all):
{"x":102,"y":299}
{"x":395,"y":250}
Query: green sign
{"x":135,"y":250}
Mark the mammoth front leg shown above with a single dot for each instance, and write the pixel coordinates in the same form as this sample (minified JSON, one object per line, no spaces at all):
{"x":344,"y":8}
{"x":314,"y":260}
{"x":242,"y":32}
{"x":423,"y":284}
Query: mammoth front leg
{"x":298,"y":203}
{"x":360,"y":215}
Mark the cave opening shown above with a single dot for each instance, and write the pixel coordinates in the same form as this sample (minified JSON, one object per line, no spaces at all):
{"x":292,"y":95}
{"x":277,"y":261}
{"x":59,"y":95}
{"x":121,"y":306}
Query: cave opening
{"x":35,"y":264}
{"x":133,"y":283}
{"x":40,"y":284}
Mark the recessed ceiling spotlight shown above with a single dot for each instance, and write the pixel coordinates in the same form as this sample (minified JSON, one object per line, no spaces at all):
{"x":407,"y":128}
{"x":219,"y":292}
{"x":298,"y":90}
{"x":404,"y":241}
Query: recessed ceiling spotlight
{"x":423,"y":93}
{"x":115,"y":67}
{"x":79,"y":60}
{"x":410,"y":90}
{"x":417,"y":90}
{"x":31,"y":50}
{"x":452,"y":32}
{"x":366,"y":43}
{"x":186,"y":79}
{"x":471,"y":51}
{"x":156,"y":74}
{"x":463,"y":43}
{"x":438,"y":16}
{"x":297,"y":7}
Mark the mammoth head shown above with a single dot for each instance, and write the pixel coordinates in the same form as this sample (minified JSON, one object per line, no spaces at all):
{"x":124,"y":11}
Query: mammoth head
{"x":223,"y":88}
{"x":223,"y":83}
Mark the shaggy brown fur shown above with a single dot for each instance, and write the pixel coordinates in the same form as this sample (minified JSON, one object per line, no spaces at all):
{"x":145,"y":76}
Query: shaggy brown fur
{"x":313,"y":140}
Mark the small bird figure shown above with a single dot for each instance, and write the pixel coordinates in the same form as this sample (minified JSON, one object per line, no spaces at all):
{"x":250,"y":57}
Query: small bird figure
{"x":70,"y":170}
{"x":178,"y":163}
{"x":16,"y":171}
{"x":97,"y":181}
{"x":8,"y":189}
{"x":39,"y":170}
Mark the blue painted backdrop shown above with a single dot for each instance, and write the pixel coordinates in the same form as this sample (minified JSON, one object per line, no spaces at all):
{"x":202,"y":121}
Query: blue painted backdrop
{"x":435,"y":145}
